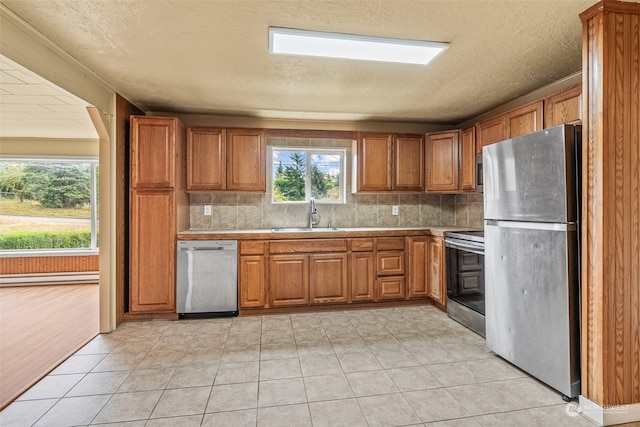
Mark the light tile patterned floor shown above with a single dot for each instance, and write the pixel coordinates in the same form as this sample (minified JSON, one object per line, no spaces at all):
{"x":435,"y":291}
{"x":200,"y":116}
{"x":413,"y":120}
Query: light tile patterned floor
{"x":383,"y":367}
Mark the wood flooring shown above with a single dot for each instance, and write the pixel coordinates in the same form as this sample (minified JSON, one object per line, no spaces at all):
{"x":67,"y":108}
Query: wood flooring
{"x":40,"y":326}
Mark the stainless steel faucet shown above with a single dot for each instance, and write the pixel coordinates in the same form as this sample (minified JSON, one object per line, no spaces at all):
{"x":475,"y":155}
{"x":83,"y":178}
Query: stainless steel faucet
{"x":313,"y":211}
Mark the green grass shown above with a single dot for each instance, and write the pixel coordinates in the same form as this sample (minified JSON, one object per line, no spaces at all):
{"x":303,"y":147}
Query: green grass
{"x":31,"y":208}
{"x":45,"y":240}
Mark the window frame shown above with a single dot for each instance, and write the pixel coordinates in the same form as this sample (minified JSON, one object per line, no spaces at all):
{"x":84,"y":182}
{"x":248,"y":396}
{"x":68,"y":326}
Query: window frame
{"x":94,"y":163}
{"x":309,"y":151}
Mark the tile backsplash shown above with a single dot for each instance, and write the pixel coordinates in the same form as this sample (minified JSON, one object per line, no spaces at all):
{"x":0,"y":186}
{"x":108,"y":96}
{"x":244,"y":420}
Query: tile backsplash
{"x":256,"y":211}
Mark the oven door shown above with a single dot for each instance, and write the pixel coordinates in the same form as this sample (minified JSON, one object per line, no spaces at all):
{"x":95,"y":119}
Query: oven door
{"x":465,"y":285}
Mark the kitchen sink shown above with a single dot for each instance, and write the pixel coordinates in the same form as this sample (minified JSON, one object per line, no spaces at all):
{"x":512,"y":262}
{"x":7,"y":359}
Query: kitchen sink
{"x":304,"y":229}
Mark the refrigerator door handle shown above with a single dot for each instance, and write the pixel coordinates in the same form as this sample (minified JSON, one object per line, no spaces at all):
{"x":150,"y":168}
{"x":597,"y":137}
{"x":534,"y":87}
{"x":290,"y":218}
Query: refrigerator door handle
{"x":552,"y":226}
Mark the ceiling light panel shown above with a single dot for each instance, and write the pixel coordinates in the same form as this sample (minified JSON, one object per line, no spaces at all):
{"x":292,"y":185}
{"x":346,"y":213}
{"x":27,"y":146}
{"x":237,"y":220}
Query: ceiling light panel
{"x":288,"y":41}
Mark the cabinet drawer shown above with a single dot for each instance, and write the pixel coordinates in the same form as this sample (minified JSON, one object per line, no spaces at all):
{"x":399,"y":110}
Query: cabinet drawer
{"x":390,"y":243}
{"x":390,"y":263}
{"x":390,"y":288}
{"x":307,"y":246}
{"x":253,"y":247}
{"x":469,"y":261}
{"x":362,"y":245}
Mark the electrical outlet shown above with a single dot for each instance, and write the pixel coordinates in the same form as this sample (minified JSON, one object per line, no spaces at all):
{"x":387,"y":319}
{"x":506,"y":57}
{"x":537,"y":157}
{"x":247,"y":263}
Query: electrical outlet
{"x":394,"y":210}
{"x":207,"y":210}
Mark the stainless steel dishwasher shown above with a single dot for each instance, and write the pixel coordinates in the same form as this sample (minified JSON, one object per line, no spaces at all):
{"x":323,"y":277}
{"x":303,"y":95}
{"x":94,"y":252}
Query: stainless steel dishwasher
{"x":207,"y":278}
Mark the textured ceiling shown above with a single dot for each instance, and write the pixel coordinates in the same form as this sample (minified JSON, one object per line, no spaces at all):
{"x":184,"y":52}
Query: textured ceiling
{"x":212,"y":56}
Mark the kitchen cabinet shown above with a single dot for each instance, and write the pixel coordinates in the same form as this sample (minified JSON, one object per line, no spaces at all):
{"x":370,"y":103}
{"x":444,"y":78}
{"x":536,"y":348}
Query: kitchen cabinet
{"x":362,"y":270}
{"x":308,"y":271}
{"x":443,"y":161}
{"x":152,"y":246}
{"x":467,"y":179}
{"x":388,"y":162}
{"x":252,"y":274}
{"x":373,"y":164}
{"x":246,"y":157}
{"x":408,"y":163}
{"x":153,"y":151}
{"x":490,"y":131}
{"x":156,"y":197}
{"x":390,"y":260}
{"x":206,"y":159}
{"x":328,"y":278}
{"x":437,"y":270}
{"x":289,"y":280}
{"x":417,"y":283}
{"x":525,"y":119}
{"x":563,"y":107}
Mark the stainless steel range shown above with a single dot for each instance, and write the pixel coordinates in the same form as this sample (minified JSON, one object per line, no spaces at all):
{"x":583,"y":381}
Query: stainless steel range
{"x":465,"y":278}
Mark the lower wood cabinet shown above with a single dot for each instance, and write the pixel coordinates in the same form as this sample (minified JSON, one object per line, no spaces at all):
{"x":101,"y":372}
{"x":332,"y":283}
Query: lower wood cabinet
{"x":437,"y":270}
{"x":390,"y":288}
{"x":362,"y":276}
{"x":417,"y":279}
{"x":252,"y":281}
{"x":328,"y":278}
{"x":252,"y":273}
{"x":288,"y":280}
{"x":299,"y":272}
{"x":153,"y":252}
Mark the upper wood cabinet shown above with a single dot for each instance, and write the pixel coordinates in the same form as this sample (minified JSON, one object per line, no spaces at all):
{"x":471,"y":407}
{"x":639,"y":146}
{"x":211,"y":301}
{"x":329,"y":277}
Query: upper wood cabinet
{"x":443,"y":161}
{"x":468,"y":159}
{"x":389,"y":162}
{"x":246,"y":160}
{"x":563,"y":107}
{"x":490,"y":131}
{"x":525,"y":119}
{"x":153,"y":151}
{"x":374,"y":162}
{"x":206,"y":159}
{"x":408,"y":163}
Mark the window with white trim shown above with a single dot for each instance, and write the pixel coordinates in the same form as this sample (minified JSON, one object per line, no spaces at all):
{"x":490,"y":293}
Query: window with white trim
{"x":48,"y":204}
{"x":299,"y":174}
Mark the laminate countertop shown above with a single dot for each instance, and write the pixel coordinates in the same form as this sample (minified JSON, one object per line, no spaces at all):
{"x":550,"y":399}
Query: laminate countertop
{"x":317,"y":233}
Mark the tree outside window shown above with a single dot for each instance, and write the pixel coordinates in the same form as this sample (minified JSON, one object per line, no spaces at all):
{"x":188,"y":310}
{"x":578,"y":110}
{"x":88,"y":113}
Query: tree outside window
{"x":301,"y":174}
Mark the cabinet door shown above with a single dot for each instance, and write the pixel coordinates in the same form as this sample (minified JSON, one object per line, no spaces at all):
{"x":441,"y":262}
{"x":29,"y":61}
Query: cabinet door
{"x":437,"y":278}
{"x":246,"y":160}
{"x":374,"y":162}
{"x":252,"y":281}
{"x":490,"y":131}
{"x":153,"y":151}
{"x":525,"y":119}
{"x":288,"y":280}
{"x":206,"y":159}
{"x":152,"y":251}
{"x":563,"y":107}
{"x":418,"y":286}
{"x":442,"y":162}
{"x":390,"y":288}
{"x":468,"y":159}
{"x":408,"y":163}
{"x":362,"y":276}
{"x":328,"y":278}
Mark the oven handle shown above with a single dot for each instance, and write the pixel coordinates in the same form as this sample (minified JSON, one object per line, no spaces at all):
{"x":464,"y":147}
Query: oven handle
{"x":463,"y":247}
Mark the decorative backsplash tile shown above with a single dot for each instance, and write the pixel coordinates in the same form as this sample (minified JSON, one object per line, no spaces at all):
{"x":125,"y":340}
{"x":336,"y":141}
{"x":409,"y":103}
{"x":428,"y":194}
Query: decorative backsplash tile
{"x":256,"y":211}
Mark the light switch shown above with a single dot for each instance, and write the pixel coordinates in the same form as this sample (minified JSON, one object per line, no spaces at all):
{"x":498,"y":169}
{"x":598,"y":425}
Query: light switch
{"x":394,"y":210}
{"x":207,"y":210}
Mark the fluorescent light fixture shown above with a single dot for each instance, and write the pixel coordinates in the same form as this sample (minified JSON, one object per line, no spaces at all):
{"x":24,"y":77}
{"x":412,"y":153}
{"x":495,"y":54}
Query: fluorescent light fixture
{"x":288,"y":41}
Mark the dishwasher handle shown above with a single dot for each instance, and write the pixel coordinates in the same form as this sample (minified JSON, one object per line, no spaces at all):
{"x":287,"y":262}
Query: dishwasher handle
{"x":206,"y":248}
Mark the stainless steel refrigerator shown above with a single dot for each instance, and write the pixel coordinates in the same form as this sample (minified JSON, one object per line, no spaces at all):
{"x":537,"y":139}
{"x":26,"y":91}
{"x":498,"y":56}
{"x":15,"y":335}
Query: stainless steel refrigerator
{"x":531,"y":211}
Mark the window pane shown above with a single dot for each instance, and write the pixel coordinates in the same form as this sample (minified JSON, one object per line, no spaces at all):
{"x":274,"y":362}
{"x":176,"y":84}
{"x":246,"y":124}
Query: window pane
{"x":325,"y":177}
{"x":289,"y":174}
{"x":45,"y":204}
